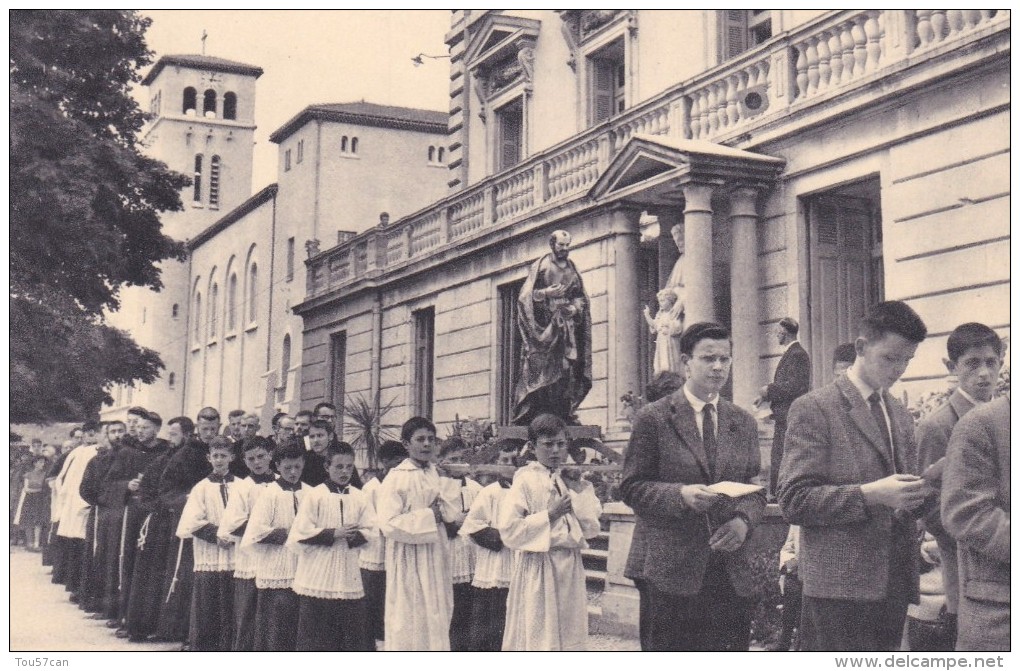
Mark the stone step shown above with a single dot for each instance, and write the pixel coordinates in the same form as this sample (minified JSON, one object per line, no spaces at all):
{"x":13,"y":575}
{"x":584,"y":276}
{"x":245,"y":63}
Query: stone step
{"x":595,"y":576}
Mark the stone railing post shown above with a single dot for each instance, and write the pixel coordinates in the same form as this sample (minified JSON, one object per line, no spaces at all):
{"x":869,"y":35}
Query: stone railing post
{"x":488,"y":206}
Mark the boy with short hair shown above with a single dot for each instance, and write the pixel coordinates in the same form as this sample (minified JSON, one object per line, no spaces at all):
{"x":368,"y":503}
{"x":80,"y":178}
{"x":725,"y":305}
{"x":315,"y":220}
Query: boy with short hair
{"x":419,"y":591}
{"x":332,"y":523}
{"x":320,"y":434}
{"x":974,"y":356}
{"x":373,"y":554}
{"x":547,"y":517}
{"x":212,"y":597}
{"x":232,"y":527}
{"x":271,"y":518}
{"x":493,"y":560}
{"x":458,"y":493}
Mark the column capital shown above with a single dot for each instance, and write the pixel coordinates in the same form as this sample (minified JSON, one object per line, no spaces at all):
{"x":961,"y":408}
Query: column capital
{"x":624,"y":218}
{"x":698,"y":196}
{"x":744,"y":201}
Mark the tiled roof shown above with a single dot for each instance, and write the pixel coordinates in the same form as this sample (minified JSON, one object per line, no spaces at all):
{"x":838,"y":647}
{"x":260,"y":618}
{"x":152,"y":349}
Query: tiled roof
{"x":204,"y":62}
{"x":366,"y":114}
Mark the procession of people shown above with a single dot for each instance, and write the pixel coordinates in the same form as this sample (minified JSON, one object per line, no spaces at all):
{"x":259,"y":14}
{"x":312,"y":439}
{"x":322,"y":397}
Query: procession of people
{"x":225,"y":539}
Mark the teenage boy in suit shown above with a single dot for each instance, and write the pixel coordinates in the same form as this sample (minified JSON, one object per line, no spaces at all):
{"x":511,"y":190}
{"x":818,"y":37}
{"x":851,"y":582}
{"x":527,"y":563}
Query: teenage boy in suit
{"x":849,"y":479}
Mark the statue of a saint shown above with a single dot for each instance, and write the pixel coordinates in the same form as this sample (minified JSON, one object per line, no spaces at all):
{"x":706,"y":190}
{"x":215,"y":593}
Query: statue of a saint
{"x":554,"y":320}
{"x":666,"y":326}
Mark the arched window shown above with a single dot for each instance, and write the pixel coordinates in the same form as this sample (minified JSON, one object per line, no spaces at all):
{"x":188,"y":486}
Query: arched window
{"x":175,"y":311}
{"x":284,"y":367}
{"x":214,"y":292}
{"x":354,"y":145}
{"x":432,"y":154}
{"x":232,"y":303}
{"x":441,"y":152}
{"x":229,"y":105}
{"x":198,"y":179}
{"x":343,"y":145}
{"x":214,"y":181}
{"x":253,"y":277}
{"x":171,"y":380}
{"x":198,"y":317}
{"x":190,"y":100}
{"x":209,"y":104}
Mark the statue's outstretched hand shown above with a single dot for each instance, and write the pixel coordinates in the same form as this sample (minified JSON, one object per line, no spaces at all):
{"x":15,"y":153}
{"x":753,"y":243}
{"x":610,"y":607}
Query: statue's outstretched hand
{"x":555,"y":291}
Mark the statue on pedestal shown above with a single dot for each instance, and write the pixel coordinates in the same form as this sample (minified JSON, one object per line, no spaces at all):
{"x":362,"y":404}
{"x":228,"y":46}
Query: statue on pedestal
{"x":666,"y":326}
{"x":554,"y":320}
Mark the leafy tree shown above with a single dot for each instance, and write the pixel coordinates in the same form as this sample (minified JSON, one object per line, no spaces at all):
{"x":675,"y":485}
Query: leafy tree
{"x":85,"y":208}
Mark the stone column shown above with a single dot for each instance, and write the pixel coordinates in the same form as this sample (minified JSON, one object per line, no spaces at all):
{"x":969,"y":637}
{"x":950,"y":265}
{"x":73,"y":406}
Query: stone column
{"x":668,"y":250}
{"x":624,"y":315}
{"x":698,"y":253}
{"x":744,"y":295}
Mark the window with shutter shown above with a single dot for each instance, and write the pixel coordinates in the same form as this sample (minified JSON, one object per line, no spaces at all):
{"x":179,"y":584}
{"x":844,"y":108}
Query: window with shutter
{"x":733,"y":32}
{"x":424,"y":354}
{"x":511,"y":134}
{"x":608,"y":79}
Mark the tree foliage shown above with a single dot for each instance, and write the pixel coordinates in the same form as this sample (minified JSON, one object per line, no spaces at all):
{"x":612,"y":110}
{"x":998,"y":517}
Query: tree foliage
{"x":85,"y":208}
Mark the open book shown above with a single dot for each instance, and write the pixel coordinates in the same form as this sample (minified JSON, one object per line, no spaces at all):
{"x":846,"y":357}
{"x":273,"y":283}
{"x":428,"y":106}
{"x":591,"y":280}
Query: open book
{"x":735,"y":489}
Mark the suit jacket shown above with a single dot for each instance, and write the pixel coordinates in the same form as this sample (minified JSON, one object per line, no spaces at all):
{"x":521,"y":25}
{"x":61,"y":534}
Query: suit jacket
{"x":976,"y":511}
{"x":833,"y":446}
{"x":670,"y":544}
{"x":793,"y":380}
{"x":932,"y":438}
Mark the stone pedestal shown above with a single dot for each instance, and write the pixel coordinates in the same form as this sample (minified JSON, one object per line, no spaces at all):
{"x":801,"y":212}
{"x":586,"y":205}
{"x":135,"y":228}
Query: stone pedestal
{"x":620,"y":599}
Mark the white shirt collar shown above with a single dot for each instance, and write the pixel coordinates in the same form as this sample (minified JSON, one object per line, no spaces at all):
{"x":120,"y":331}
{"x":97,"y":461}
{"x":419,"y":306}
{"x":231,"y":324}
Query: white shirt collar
{"x":698,"y":404}
{"x":973,"y":401}
{"x":787,"y":345}
{"x":863,"y":387}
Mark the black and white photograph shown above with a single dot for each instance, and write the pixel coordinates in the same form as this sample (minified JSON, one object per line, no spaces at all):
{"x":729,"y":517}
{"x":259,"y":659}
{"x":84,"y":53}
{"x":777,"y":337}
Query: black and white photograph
{"x":485,"y":330}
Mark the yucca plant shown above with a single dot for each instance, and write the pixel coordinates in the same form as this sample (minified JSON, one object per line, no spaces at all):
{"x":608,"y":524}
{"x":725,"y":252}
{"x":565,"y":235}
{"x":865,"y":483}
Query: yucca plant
{"x":363,"y":419}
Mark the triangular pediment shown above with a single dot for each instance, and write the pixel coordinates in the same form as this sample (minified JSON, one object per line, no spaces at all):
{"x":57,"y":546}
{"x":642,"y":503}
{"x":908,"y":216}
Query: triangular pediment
{"x":498,"y":33}
{"x":648,"y":161}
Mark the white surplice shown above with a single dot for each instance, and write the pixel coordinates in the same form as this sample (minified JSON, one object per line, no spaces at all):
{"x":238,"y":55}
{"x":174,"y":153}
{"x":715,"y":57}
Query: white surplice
{"x":547,"y":608}
{"x":492,"y":569}
{"x":74,"y":510}
{"x":276,"y":508}
{"x":457,"y":496}
{"x":373,"y":553}
{"x":242,"y":499}
{"x":419,"y":589}
{"x":205,"y":506}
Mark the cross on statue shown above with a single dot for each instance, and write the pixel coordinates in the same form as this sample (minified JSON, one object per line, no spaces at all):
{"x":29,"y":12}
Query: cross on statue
{"x":204,"y":36}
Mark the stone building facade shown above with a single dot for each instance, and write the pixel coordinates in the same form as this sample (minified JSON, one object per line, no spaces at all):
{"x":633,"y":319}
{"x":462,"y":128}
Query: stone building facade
{"x":812,"y":163}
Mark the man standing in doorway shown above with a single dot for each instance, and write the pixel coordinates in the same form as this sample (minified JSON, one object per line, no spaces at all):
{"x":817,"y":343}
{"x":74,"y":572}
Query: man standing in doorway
{"x":793,"y":380}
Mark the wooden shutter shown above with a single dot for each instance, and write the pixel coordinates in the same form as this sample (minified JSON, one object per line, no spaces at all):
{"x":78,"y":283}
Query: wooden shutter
{"x":424,"y":343}
{"x":732,"y":33}
{"x":603,"y":78}
{"x":511,"y":121}
{"x":844,"y":281}
{"x":510,"y":348}
{"x":338,"y":373}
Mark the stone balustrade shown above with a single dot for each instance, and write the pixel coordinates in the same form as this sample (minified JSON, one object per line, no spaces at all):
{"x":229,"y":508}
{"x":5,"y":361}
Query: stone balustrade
{"x":794,"y":70}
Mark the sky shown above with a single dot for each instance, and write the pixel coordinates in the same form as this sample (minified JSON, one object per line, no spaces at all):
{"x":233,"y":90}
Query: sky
{"x":314,"y":56}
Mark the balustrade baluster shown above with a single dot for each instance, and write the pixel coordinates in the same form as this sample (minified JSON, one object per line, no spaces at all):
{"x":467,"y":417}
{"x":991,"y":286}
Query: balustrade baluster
{"x":835,"y":59}
{"x":873,"y":35}
{"x":824,"y":56}
{"x":954,"y":17}
{"x":860,"y":46}
{"x":938,"y":24}
{"x":846,"y":42}
{"x":812,"y":66}
{"x":694,"y":119}
{"x":801,"y":69}
{"x":971,"y":17}
{"x":925,"y":32}
{"x":987,"y":15}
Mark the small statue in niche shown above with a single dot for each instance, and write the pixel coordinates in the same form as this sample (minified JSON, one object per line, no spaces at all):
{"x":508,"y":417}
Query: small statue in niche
{"x":666,"y":326}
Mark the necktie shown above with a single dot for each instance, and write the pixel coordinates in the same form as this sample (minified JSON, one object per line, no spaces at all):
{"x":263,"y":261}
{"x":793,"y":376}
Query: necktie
{"x":223,"y":493}
{"x":875,"y":402}
{"x":294,"y":494}
{"x":708,"y":438}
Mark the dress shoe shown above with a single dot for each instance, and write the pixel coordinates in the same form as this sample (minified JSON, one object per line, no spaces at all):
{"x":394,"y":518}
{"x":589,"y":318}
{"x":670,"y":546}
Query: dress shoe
{"x":97,"y":616}
{"x":113,"y":624}
{"x":121,"y":633}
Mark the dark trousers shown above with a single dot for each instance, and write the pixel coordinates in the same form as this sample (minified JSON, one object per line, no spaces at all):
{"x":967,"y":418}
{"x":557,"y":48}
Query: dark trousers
{"x":332,"y":625}
{"x":245,"y":605}
{"x":131,"y":527}
{"x":374,"y":584}
{"x":792,"y":605}
{"x":71,"y":560}
{"x":842,"y":625}
{"x":488,"y":618}
{"x":778,"y":438}
{"x":276,"y":620}
{"x":460,"y":621}
{"x":142,"y":615}
{"x":714,"y":619}
{"x":212,"y":612}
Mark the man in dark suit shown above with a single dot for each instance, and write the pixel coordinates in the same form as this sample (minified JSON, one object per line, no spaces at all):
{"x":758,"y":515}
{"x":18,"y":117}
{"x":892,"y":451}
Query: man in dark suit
{"x":689,"y":554}
{"x":974,"y":357}
{"x":849,"y":480}
{"x":975,"y":510}
{"x":793,"y":380}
